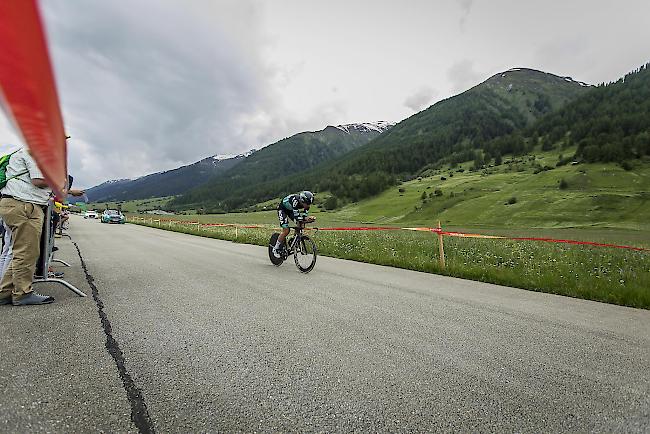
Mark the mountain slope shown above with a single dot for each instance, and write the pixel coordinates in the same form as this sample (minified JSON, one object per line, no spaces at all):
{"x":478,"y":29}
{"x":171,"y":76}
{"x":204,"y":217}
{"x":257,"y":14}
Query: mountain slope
{"x":168,"y":183}
{"x":611,"y":123}
{"x":451,"y":130}
{"x":506,"y":102}
{"x":249,"y":181}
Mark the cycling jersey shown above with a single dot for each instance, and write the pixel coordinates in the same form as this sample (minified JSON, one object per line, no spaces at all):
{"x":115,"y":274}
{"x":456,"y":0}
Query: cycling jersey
{"x":291,"y":208}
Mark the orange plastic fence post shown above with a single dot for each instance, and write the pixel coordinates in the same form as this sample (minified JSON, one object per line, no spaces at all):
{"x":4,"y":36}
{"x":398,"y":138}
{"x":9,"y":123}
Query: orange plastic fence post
{"x":441,"y":246}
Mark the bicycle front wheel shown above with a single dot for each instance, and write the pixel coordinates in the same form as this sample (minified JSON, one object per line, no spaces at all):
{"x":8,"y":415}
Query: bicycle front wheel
{"x":305,"y":254}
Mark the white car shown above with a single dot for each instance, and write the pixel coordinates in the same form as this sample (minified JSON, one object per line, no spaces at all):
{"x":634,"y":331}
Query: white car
{"x":90,"y":215}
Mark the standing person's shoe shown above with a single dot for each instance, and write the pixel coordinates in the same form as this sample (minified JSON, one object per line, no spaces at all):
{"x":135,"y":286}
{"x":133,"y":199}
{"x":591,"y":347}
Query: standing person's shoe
{"x":5,"y":300}
{"x":33,"y":298}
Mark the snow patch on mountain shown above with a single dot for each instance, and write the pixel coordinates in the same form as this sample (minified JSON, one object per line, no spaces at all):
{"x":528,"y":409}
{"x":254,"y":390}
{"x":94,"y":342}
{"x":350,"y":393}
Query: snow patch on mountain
{"x":379,"y":126}
{"x":222,"y":157}
{"x":114,"y":181}
{"x":567,"y":79}
{"x":581,"y":83}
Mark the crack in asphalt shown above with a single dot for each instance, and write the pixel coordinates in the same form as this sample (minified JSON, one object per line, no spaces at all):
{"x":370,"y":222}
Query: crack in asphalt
{"x":139,"y":413}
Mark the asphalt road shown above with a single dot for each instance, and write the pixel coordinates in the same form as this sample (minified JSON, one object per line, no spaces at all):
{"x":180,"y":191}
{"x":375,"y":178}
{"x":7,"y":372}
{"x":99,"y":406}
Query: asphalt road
{"x":187,"y":334}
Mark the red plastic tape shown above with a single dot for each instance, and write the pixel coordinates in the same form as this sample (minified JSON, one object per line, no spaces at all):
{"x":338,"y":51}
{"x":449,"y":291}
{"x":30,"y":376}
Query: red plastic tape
{"x":28,"y":89}
{"x":361,"y":229}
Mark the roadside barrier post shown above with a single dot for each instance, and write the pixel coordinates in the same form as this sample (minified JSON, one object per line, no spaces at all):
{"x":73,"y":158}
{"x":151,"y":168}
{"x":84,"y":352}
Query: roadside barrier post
{"x":236,"y":232}
{"x":441,"y":246}
{"x":47,"y":255}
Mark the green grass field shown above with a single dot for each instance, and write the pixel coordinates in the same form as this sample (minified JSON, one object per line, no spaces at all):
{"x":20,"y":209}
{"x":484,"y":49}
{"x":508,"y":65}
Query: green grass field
{"x":596,"y":196}
{"x":599,"y":203}
{"x":133,"y":206}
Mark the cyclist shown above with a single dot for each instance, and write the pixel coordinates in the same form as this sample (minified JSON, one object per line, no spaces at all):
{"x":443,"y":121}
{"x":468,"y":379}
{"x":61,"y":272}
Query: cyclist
{"x":296,"y":208}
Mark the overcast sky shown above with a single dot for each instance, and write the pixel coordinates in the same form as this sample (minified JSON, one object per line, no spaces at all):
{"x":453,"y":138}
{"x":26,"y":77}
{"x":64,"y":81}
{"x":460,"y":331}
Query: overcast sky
{"x":149,"y":85}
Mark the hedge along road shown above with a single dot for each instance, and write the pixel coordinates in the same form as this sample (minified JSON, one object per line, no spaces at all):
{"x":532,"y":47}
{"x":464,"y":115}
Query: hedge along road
{"x":207,"y":335}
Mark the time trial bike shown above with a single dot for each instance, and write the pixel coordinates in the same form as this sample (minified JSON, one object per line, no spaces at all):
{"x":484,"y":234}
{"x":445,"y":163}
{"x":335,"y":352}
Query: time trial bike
{"x":299,"y":245}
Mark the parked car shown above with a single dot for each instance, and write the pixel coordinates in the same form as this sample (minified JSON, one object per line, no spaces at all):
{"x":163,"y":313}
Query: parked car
{"x":90,"y":215}
{"x":113,"y":216}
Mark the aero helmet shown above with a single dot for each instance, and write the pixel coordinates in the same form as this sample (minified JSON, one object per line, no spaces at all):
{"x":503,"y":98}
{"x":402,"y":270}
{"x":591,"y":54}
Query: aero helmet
{"x":307,"y":197}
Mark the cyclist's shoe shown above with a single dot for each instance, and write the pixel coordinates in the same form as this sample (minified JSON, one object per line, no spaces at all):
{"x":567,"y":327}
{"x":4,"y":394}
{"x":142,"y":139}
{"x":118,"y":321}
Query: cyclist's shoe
{"x":277,"y":253}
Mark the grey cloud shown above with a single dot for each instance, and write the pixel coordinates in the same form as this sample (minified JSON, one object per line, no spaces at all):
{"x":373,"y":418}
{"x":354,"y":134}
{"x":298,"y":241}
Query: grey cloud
{"x":420,"y":98}
{"x":563,"y":54}
{"x":465,"y":9}
{"x":462,"y":75}
{"x":148,"y":85}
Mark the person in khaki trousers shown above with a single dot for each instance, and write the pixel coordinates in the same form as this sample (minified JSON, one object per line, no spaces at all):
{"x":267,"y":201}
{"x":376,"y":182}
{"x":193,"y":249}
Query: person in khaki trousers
{"x":21,"y":208}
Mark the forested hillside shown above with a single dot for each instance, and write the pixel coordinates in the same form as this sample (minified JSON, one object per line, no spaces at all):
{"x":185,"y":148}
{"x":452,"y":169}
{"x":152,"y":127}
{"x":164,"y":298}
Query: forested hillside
{"x":610,"y":123}
{"x":167,"y":183}
{"x":512,"y":113}
{"x":249,"y":182}
{"x":451,"y":129}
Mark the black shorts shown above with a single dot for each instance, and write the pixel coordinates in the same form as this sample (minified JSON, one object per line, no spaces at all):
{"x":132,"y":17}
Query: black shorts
{"x":283,"y":217}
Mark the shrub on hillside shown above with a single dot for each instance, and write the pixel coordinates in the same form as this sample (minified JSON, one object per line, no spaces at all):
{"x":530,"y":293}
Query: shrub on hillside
{"x":331,"y":203}
{"x":563,"y":184}
{"x":562,"y":161}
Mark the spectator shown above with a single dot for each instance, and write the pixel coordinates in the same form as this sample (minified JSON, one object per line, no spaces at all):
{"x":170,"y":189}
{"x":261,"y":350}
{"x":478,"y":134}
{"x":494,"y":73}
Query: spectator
{"x":6,"y":254}
{"x":61,"y":208}
{"x":64,"y":217}
{"x":21,"y":208}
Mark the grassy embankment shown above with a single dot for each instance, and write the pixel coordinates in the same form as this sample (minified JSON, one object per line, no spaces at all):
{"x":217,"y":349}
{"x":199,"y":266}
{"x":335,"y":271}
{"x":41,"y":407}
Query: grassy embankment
{"x":133,"y":206}
{"x":601,"y":203}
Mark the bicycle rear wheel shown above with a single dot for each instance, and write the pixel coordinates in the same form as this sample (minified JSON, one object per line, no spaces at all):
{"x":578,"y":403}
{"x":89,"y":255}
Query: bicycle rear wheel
{"x":275,"y":261}
{"x":305,"y":254}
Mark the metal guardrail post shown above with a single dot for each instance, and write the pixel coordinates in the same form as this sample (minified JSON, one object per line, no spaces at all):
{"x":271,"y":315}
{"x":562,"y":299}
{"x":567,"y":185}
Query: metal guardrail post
{"x":47,"y":243}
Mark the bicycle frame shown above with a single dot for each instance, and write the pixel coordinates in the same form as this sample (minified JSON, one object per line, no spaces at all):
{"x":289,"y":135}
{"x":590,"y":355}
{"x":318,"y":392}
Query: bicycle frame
{"x":291,"y":243}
